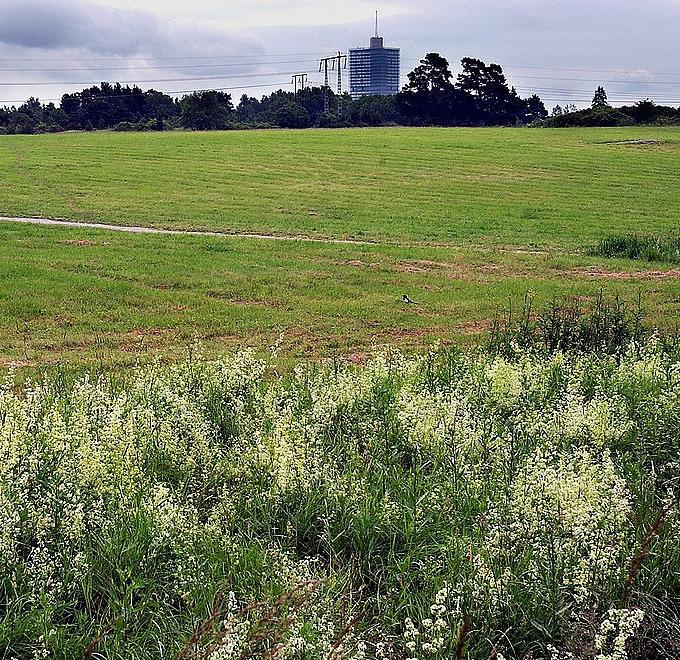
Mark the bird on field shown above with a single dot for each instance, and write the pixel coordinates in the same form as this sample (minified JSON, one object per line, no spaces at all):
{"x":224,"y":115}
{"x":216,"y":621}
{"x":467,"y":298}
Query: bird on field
{"x":405,"y":299}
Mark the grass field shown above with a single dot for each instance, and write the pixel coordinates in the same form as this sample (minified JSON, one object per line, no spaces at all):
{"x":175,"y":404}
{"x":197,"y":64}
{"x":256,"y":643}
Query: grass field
{"x":499,"y":186}
{"x":464,"y":221}
{"x":518,"y":501}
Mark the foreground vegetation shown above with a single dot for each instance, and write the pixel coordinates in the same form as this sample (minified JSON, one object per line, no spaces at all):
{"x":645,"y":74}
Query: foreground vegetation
{"x":454,"y":505}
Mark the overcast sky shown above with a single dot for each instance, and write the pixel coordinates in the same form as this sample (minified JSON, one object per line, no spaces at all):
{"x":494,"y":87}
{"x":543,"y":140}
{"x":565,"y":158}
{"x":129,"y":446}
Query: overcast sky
{"x":560,"y":50}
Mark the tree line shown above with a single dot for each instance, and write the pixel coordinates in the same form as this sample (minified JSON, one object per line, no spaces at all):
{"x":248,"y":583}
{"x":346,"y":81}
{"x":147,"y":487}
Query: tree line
{"x":479,"y":96}
{"x":601,"y":113}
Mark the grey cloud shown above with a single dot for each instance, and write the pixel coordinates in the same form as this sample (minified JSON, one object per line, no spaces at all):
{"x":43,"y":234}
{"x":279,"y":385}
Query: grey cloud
{"x":106,"y":31}
{"x":620,"y":35}
{"x":606,"y":35}
{"x":79,"y":36}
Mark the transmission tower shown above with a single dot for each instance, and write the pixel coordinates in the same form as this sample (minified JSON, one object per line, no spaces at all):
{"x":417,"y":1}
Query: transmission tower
{"x":301,"y":79}
{"x":323,"y":66}
{"x":342,"y":63}
{"x":339,"y":61}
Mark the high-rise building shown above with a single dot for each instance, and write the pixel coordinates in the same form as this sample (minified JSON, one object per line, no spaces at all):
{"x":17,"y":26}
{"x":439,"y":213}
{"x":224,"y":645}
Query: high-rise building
{"x":373,"y":70}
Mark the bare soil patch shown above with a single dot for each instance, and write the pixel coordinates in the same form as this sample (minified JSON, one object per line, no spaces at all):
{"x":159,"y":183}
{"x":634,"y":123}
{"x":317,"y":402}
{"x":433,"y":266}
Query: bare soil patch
{"x":357,"y":263}
{"x":635,"y":142}
{"x":245,"y":302}
{"x":474,"y":327}
{"x":459,"y":271}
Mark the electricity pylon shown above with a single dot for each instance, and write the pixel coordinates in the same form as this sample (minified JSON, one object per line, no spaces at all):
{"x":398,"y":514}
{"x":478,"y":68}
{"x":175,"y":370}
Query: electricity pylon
{"x":339,"y":61}
{"x":300,"y":78}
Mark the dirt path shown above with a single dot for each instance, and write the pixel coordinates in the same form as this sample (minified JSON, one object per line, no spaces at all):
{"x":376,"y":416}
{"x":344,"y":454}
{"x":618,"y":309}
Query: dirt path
{"x":132,"y":229}
{"x":177,"y":232}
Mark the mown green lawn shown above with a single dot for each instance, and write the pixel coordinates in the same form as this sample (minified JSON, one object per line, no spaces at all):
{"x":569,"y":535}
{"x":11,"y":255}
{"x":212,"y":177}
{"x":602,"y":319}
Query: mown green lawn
{"x":87,"y":295}
{"x":455,"y":217}
{"x":490,"y":186}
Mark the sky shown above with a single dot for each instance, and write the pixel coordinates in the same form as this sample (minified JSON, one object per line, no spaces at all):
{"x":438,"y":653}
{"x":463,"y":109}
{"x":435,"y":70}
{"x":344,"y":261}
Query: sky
{"x":559,"y":50}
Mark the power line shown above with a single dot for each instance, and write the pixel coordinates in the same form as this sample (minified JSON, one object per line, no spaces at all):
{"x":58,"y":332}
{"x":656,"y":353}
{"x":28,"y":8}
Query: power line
{"x":586,"y":92}
{"x":313,"y":54}
{"x":153,"y":57}
{"x":174,"y":66}
{"x":179,"y":91}
{"x":151,"y":80}
{"x":622,"y":72}
{"x":607,"y":82}
{"x":618,"y":71}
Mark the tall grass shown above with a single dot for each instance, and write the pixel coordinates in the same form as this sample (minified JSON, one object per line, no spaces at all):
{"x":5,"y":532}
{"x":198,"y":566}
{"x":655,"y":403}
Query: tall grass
{"x":601,"y":324}
{"x":644,"y":248}
{"x":452,"y":505}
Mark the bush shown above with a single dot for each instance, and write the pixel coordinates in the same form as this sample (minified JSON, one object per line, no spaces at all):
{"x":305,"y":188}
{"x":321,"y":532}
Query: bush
{"x":125,"y":126}
{"x":140,"y":126}
{"x":602,"y":116}
{"x":206,"y":111}
{"x":603,"y":325}
{"x":330,"y":120}
{"x":291,"y":115}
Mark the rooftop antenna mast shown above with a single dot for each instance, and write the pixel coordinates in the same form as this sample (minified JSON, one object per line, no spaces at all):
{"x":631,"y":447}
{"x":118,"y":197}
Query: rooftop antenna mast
{"x":376,"y":23}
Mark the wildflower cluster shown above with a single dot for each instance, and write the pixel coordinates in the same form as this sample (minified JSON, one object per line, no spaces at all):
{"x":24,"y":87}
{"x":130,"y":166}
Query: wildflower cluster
{"x":433,"y":503}
{"x":433,"y":637}
{"x":618,"y":627}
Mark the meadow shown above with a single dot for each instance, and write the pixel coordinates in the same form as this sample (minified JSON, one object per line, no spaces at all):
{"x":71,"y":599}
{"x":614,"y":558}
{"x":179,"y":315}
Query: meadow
{"x":521,"y":187}
{"x":465,"y":222}
{"x":294,"y":463}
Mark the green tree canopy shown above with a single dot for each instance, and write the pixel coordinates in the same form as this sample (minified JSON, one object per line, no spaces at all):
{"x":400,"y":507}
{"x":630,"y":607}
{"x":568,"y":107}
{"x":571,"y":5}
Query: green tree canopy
{"x":600,"y":99}
{"x":206,"y":111}
{"x":433,"y":73}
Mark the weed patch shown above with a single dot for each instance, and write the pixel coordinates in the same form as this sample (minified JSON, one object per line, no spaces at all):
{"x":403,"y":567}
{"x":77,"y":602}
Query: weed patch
{"x":454,"y":504}
{"x":643,"y":248}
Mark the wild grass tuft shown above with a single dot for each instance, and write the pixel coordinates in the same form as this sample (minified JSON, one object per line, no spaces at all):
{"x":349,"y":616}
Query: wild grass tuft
{"x":602,"y":324}
{"x":642,"y":248}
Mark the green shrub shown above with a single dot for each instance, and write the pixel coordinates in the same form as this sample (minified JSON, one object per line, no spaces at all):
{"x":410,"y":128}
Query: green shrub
{"x":602,"y":116}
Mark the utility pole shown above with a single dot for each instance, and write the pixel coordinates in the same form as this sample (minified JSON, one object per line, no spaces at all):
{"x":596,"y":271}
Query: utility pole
{"x":300,"y":78}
